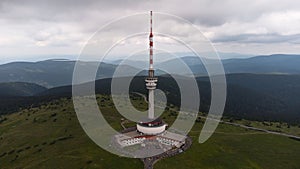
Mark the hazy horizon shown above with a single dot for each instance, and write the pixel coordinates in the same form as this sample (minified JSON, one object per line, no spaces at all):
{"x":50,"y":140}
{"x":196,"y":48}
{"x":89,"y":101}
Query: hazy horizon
{"x":38,"y":58}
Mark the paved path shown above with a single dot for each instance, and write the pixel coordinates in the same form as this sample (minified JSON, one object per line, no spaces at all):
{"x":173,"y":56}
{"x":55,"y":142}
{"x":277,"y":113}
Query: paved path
{"x":150,"y":161}
{"x":140,"y":94}
{"x":263,"y":130}
{"x":254,"y":128}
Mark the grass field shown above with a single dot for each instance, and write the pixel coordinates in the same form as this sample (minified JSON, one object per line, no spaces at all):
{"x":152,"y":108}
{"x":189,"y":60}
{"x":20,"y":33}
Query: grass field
{"x":50,"y":137}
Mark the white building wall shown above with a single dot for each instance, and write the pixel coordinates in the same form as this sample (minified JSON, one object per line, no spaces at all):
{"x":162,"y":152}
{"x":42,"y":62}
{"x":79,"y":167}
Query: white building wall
{"x":151,"y":130}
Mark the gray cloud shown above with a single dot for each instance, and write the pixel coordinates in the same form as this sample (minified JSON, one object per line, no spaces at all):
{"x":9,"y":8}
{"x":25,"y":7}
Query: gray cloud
{"x":206,"y":12}
{"x":67,"y":24}
{"x":260,"y":38}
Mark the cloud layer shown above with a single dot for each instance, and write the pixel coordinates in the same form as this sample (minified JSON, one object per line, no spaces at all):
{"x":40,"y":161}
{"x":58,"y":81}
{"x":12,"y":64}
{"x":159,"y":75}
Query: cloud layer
{"x":38,"y":27}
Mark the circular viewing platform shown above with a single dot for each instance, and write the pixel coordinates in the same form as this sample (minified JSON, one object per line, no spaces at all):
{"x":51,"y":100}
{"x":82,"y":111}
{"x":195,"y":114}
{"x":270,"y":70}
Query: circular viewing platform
{"x":151,"y":79}
{"x":154,"y":127}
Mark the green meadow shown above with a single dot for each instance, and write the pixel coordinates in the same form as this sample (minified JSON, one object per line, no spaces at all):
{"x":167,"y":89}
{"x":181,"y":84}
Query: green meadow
{"x":50,"y":136}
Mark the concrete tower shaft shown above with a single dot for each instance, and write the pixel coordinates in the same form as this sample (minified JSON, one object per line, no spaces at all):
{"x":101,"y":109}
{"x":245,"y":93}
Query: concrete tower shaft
{"x":151,"y":80}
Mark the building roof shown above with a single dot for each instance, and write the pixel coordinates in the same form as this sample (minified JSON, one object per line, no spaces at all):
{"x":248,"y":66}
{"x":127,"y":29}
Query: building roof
{"x":155,"y":123}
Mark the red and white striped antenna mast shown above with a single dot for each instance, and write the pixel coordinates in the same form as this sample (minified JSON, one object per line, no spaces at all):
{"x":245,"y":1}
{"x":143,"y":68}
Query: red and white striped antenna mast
{"x":150,"y":22}
{"x":151,"y":70}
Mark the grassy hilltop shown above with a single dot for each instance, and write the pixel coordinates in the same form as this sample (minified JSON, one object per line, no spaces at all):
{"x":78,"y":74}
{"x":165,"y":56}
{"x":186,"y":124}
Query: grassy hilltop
{"x":50,"y":136}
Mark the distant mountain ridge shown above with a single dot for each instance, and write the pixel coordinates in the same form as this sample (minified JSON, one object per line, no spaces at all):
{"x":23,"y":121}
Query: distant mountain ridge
{"x":269,"y":64}
{"x":250,"y":96}
{"x":54,"y":73}
{"x":50,"y":73}
{"x":20,"y":89}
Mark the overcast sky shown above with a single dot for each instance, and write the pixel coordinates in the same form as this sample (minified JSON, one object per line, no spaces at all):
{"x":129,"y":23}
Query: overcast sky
{"x":38,"y":29}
